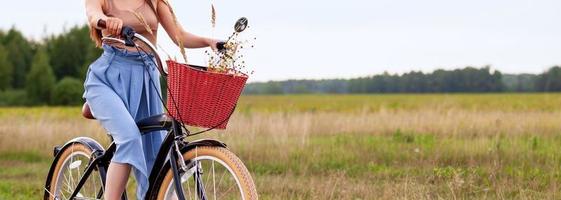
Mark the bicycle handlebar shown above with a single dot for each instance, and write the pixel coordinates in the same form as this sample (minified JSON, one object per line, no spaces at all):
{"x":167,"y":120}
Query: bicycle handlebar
{"x":128,"y":34}
{"x":128,"y":31}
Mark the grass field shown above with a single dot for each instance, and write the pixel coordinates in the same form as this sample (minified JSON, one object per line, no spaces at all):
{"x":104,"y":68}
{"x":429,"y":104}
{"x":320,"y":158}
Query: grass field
{"x":464,"y":146}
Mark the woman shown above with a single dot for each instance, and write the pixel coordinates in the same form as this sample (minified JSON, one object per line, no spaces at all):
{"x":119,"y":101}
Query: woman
{"x":118,"y":87}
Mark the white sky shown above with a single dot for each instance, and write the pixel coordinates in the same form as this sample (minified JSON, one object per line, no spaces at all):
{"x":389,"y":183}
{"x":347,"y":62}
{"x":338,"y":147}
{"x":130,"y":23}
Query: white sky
{"x":344,"y":39}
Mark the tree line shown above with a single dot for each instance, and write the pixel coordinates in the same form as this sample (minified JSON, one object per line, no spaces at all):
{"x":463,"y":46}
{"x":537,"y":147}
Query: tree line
{"x":51,"y":71}
{"x":466,"y":80}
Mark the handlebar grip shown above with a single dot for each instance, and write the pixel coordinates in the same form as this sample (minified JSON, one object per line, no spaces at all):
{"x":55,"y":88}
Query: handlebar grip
{"x":221,"y":46}
{"x":101,"y":24}
{"x":125,"y":31}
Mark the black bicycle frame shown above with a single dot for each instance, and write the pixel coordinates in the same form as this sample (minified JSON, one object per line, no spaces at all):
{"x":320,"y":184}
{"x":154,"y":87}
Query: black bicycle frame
{"x":174,"y":138}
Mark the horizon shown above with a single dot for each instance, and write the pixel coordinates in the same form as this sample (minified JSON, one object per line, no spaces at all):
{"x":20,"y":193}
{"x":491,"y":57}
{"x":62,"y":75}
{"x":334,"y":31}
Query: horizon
{"x":320,"y":40}
{"x":398,"y":74}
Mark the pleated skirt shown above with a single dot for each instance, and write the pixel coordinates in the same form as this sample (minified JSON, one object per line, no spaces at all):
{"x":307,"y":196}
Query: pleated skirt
{"x":123,"y":87}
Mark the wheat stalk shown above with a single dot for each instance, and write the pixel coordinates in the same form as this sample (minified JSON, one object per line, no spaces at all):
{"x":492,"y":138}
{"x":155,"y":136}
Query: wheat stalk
{"x":213,"y":16}
{"x":181,"y":48}
{"x":142,"y":21}
{"x":178,"y":33}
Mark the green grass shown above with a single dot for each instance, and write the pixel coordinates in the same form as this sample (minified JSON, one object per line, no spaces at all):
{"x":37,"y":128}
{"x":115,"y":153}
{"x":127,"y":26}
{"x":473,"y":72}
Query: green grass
{"x":374,"y":159}
{"x":493,"y":146}
{"x":349,"y":103}
{"x":22,"y":175}
{"x":437,"y":162}
{"x":357,"y":103}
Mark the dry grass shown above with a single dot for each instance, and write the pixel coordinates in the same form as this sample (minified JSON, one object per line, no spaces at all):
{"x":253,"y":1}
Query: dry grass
{"x":40,"y":129}
{"x":371,"y":149}
{"x":36,"y":129}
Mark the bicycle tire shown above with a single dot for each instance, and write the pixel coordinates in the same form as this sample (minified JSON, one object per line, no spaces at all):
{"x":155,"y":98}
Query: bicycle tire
{"x":239,"y":170}
{"x":69,"y":153}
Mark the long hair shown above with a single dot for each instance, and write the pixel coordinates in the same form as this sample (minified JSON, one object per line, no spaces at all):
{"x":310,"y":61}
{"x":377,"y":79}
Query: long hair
{"x":95,"y":34}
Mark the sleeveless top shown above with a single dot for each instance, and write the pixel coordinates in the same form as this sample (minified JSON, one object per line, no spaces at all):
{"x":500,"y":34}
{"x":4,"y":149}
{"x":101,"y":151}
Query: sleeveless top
{"x":134,"y":18}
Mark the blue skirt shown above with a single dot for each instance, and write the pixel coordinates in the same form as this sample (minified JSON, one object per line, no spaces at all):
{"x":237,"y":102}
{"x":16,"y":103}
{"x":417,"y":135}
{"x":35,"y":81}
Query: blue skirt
{"x":119,"y":92}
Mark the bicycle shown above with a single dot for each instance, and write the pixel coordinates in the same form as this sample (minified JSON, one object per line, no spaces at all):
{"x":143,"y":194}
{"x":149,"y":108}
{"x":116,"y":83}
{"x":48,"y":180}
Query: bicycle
{"x":182,"y":168}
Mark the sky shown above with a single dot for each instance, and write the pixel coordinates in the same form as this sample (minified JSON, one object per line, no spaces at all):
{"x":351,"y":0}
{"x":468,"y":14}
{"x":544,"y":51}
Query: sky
{"x":316,"y":39}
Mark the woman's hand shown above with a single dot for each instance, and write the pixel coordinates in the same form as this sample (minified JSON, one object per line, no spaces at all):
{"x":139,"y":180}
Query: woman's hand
{"x":114,"y":25}
{"x":212,"y":43}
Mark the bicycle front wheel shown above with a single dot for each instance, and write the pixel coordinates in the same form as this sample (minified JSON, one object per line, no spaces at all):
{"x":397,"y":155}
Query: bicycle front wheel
{"x":216,"y":174}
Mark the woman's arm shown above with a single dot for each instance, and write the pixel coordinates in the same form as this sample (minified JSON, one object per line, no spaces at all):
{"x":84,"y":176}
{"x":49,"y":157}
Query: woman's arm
{"x":94,"y":12}
{"x":176,"y":32}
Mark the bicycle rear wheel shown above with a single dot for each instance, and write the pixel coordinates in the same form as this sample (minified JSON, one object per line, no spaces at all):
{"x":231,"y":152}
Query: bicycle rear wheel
{"x":223,"y":176}
{"x":69,"y":169}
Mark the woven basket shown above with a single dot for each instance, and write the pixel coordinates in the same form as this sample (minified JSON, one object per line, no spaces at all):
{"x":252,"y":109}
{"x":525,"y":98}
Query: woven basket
{"x":202,"y":98}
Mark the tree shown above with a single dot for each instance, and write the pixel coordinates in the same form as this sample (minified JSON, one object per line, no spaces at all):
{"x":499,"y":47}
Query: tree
{"x":67,"y":91}
{"x":468,"y":79}
{"x":72,"y":52}
{"x":20,"y":53}
{"x":550,"y":81}
{"x":2,"y":36}
{"x":41,"y":79}
{"x":6,"y":70}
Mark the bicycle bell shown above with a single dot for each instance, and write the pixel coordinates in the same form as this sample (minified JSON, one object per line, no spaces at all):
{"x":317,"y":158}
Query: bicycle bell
{"x":241,"y":25}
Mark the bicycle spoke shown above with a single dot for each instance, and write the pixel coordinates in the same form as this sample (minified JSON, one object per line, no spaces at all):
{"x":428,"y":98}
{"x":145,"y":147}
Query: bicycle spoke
{"x":205,"y":183}
{"x":64,"y":196}
{"x":213,"y":180}
{"x":221,"y":177}
{"x":189,"y":189}
{"x":68,"y":184}
{"x":68,"y":188}
{"x":65,"y":179}
{"x":230,"y":188}
{"x":71,"y":161}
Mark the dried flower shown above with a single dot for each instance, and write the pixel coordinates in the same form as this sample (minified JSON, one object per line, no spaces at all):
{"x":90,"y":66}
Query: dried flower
{"x":213,"y":16}
{"x":229,"y":60}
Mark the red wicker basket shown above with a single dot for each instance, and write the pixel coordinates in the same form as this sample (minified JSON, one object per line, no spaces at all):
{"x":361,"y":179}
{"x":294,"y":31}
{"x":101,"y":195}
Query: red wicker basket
{"x":202,"y":98}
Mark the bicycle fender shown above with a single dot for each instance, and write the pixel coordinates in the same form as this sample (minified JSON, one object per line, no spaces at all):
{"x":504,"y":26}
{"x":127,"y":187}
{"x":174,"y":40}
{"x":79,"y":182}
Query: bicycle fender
{"x":89,"y":142}
{"x":203,"y":143}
